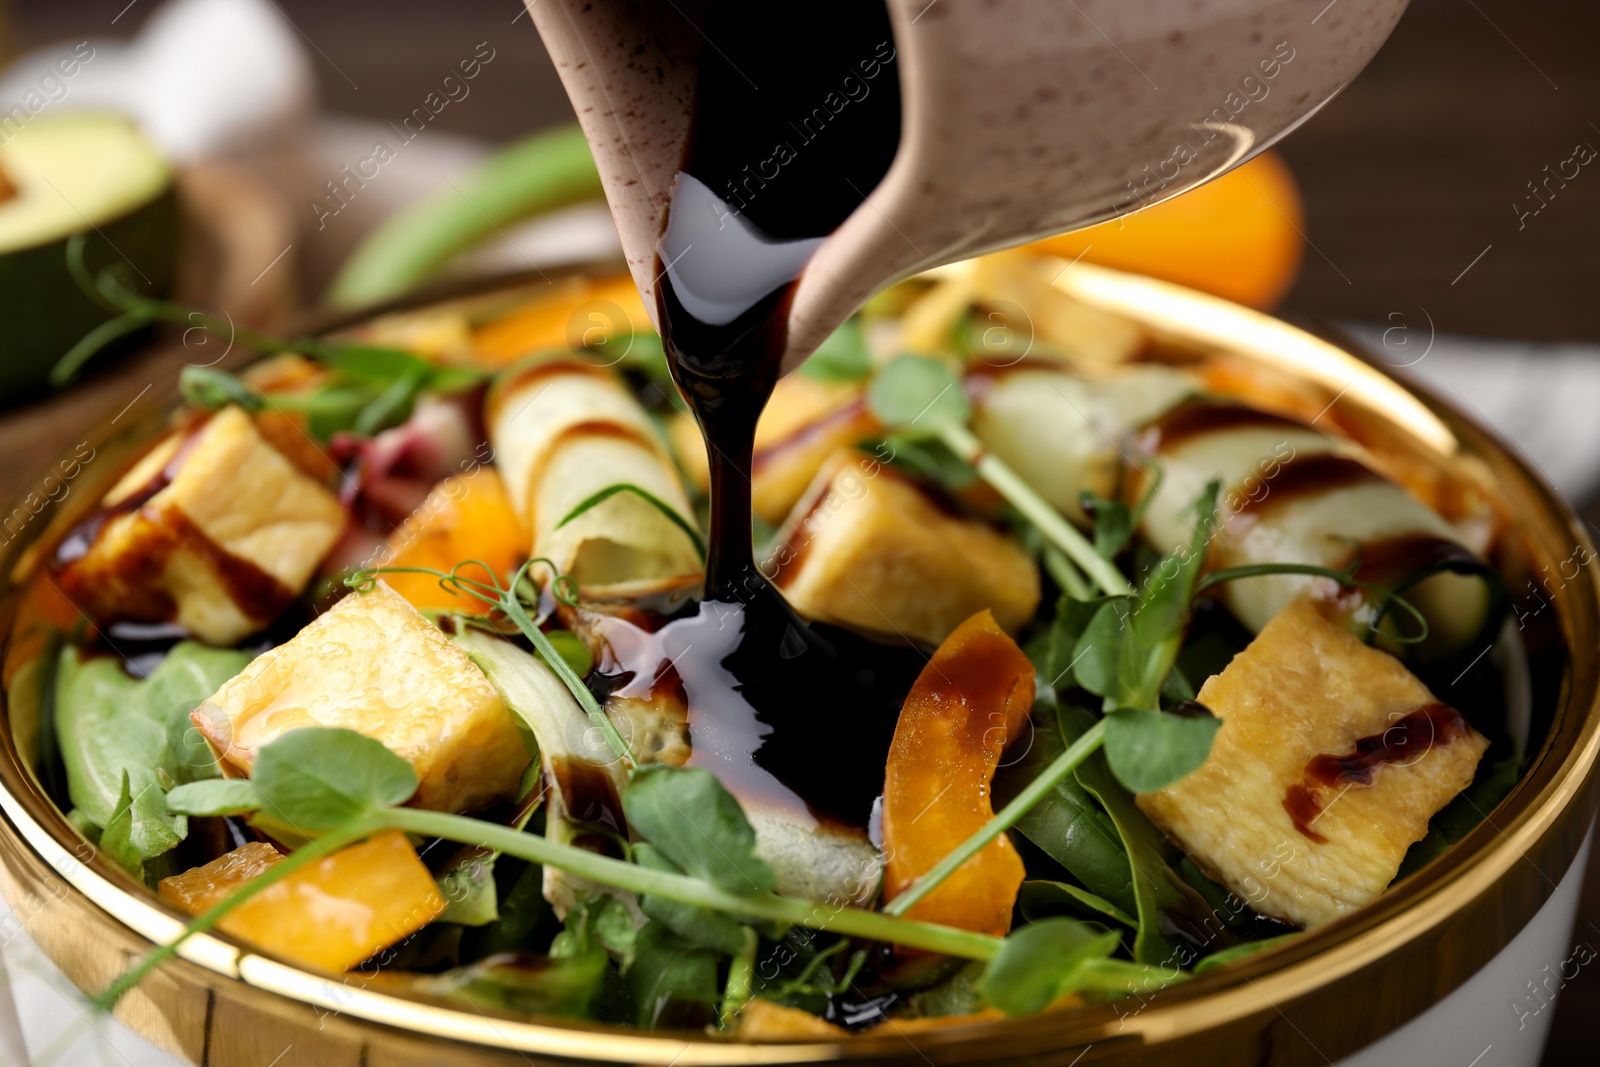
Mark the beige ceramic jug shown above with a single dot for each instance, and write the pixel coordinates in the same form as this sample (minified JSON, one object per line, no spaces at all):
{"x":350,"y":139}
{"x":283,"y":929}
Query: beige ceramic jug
{"x":1020,"y":118}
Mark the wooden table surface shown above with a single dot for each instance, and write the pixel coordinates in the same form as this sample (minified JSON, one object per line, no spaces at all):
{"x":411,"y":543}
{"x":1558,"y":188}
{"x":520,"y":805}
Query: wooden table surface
{"x":1410,"y":180}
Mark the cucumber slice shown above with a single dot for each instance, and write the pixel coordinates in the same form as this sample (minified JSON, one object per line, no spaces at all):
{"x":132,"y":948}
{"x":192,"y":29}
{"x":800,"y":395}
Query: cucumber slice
{"x":76,"y":172}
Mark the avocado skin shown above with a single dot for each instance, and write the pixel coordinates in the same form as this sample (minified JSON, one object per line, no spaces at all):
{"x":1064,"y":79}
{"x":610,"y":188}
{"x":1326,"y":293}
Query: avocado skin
{"x":43,"y":313}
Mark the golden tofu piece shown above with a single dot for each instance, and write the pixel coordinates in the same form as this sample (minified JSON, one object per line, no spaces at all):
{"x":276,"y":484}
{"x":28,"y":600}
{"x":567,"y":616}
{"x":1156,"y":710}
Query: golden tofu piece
{"x":1331,"y":759}
{"x":804,"y":423}
{"x":373,"y":664}
{"x":335,"y":913}
{"x":214,"y":530}
{"x":869,"y":549}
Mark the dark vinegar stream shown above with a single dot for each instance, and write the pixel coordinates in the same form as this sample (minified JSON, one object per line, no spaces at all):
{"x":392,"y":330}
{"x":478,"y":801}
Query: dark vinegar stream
{"x":797,"y":118}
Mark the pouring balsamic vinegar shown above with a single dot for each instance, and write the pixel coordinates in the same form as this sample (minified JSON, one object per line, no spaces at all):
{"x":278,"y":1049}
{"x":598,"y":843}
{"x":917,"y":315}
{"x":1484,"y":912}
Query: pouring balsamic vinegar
{"x":797,"y":119}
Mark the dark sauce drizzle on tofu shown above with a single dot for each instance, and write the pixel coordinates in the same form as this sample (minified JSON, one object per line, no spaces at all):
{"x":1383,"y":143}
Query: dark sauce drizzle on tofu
{"x":1406,"y":741}
{"x":258,"y":594}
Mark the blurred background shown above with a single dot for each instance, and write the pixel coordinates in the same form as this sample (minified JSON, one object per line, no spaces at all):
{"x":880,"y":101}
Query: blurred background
{"x":1416,"y":211}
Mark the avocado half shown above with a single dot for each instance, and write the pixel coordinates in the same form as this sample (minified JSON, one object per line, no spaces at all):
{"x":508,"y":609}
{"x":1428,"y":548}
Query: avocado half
{"x":63,"y":174}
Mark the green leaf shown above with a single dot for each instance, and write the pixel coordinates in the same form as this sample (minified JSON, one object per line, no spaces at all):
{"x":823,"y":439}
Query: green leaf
{"x":841,"y":357}
{"x":216,"y":796}
{"x":1102,"y":647}
{"x":673,"y":980}
{"x":1156,"y":886}
{"x":1041,"y":899}
{"x":1225,"y":905}
{"x":712,"y":929}
{"x":468,"y":879}
{"x":131,"y":847}
{"x":1069,"y":825}
{"x":648,"y":497}
{"x":1058,"y":662}
{"x":525,"y":920}
{"x":210,"y":389}
{"x":960,"y":994}
{"x":918,"y":393}
{"x":190,"y":673}
{"x":469,"y":891}
{"x":573,"y":652}
{"x":373,"y":364}
{"x":1222,"y":957}
{"x":1040,"y":963}
{"x":1164,"y":602}
{"x":392,"y":405}
{"x":1149,"y":750}
{"x":599,"y":921}
{"x":332,"y":409}
{"x":1175,"y":689}
{"x":1128,"y":649}
{"x":520,"y":983}
{"x":698,"y":825}
{"x":1113,"y":523}
{"x":316,"y":778}
{"x":116,"y":731}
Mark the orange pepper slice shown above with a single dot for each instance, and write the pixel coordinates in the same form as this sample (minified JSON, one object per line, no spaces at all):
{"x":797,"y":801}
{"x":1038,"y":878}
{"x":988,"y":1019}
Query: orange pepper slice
{"x":333,"y":913}
{"x":466,"y":517}
{"x":1238,"y":236}
{"x":968,"y":703}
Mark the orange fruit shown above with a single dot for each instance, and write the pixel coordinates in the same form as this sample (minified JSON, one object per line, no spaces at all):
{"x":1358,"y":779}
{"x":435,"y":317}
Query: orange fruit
{"x":1238,"y":236}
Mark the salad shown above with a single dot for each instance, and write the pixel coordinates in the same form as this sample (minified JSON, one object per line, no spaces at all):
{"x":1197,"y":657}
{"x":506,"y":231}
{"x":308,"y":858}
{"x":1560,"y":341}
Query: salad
{"x":381,"y":658}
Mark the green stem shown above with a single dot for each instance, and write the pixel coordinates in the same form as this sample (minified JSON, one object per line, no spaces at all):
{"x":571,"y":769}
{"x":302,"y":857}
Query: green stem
{"x":68,"y":366}
{"x":1056,"y":529}
{"x":1120,"y":976}
{"x":1067,"y":576}
{"x":511,"y":604}
{"x":851,"y":922}
{"x":1006,"y":818}
{"x":741,"y":978}
{"x":1345,"y":577}
{"x":321,"y":848}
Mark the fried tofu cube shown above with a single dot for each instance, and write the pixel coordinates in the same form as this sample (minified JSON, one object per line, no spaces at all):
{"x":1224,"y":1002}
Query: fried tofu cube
{"x":1331,"y":759}
{"x":214,"y":530}
{"x":375,"y":665}
{"x":869,"y":549}
{"x":335,"y":913}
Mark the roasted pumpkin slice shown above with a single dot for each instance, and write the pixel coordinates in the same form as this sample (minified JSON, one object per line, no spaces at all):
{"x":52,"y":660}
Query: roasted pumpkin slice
{"x":966,"y":706}
{"x":465,"y":517}
{"x":333,"y":913}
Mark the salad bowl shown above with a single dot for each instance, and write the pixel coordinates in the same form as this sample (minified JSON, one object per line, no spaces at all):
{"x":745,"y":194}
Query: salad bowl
{"x":1468,"y":934}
